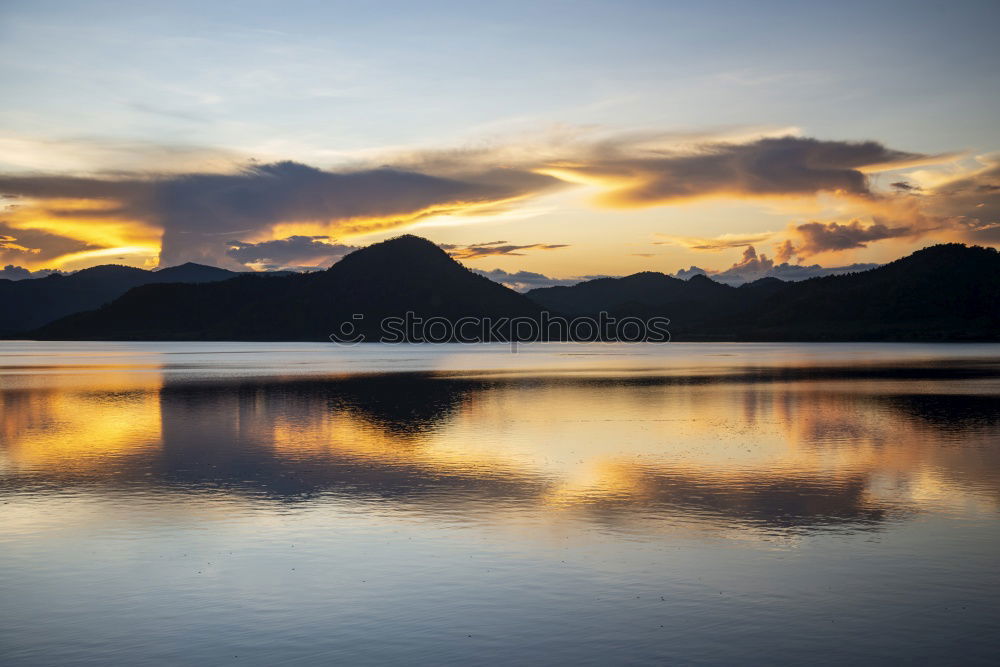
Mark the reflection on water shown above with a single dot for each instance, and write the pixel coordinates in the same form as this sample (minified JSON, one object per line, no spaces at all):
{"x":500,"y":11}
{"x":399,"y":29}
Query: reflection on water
{"x":456,"y":504}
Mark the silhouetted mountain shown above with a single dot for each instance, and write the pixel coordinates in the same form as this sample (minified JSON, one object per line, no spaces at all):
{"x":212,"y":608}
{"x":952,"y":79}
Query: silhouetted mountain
{"x":33,"y":302}
{"x":405,"y":274}
{"x":945,"y":292}
{"x":647,"y":288}
{"x":192,"y":273}
{"x":770,"y":284}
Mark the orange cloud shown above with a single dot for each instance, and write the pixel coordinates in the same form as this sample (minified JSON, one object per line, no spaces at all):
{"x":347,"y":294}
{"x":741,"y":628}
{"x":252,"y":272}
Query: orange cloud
{"x":493,"y":248}
{"x":195,"y":216}
{"x":69,"y":233}
{"x":723,"y":242}
{"x":198,"y":214}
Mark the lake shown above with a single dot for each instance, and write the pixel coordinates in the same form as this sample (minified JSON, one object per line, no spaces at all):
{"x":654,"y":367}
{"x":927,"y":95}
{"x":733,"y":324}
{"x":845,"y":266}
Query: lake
{"x":296,"y":504}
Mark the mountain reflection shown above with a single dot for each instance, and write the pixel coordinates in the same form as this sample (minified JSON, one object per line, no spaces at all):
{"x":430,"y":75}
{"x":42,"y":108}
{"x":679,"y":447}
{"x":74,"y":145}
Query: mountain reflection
{"x":797,"y":450}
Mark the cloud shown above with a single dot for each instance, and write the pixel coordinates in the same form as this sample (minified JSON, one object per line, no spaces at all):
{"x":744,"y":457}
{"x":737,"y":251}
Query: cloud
{"x":35,"y":245}
{"x":965,"y":208}
{"x":785,"y":251}
{"x":984,"y":182}
{"x":817,"y":237}
{"x":723,"y":242}
{"x":81,"y":155}
{"x":192,"y":215}
{"x":11,"y":272}
{"x":476,"y":250}
{"x":971,"y":202}
{"x":294,"y":251}
{"x":903,"y":186}
{"x":523,"y":281}
{"x":287,"y":267}
{"x":199,"y":212}
{"x":766,"y":167}
{"x":754,"y":267}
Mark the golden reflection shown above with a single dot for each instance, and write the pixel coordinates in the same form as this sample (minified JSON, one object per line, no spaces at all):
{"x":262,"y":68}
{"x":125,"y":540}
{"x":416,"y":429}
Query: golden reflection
{"x":769,"y":453}
{"x":69,"y":430}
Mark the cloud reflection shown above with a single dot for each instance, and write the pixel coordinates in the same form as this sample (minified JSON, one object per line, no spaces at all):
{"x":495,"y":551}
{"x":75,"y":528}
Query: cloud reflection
{"x":789,"y":450}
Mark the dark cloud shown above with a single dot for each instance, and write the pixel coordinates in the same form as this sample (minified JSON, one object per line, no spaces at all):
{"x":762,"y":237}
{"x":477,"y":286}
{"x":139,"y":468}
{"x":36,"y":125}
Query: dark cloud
{"x":292,"y":251}
{"x":766,"y":167}
{"x":523,"y":281}
{"x":11,"y":272}
{"x":754,"y":266}
{"x":983,"y":182}
{"x":817,"y":237}
{"x":199,"y":212}
{"x":475,"y":250}
{"x":126,"y":188}
{"x":35,"y":245}
{"x":987,"y":232}
{"x":971,"y":203}
{"x":785,"y":251}
{"x":269,"y":194}
{"x":964,"y":209}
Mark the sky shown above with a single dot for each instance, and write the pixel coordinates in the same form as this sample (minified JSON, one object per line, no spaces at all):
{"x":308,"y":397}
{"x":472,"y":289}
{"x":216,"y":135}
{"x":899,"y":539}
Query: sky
{"x":546,"y":140}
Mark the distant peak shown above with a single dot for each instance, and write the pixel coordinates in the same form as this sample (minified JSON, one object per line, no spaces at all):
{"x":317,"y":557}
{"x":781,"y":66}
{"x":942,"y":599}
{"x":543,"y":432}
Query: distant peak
{"x":766,"y":281}
{"x":408,"y":240}
{"x":190,"y":265}
{"x":108,"y":268}
{"x":702,"y":278}
{"x":405,"y":246}
{"x":941,"y":248}
{"x":400,"y":255}
{"x":946,"y":253}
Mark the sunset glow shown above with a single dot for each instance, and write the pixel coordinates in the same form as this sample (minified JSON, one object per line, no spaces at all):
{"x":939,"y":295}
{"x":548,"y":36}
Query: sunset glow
{"x":529,"y":332}
{"x":160,"y":173}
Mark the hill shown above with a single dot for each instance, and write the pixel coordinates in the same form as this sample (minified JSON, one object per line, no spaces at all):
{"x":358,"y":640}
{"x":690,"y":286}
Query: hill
{"x":34,"y":302}
{"x":944,"y":292}
{"x":405,"y":274}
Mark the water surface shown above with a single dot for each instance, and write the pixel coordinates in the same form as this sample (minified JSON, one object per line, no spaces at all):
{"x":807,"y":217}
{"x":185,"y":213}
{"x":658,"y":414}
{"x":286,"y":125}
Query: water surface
{"x":188,"y":503}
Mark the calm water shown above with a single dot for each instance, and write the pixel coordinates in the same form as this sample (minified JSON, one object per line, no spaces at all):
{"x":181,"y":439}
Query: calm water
{"x":306,"y":504}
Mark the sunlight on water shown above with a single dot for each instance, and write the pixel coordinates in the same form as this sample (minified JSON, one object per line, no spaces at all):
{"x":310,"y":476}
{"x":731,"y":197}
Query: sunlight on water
{"x":565,"y":504}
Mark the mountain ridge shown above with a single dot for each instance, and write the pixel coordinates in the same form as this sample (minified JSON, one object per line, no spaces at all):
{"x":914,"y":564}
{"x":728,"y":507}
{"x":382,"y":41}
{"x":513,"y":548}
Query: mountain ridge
{"x":34,"y":302}
{"x":944,"y":292}
{"x":387,"y":279}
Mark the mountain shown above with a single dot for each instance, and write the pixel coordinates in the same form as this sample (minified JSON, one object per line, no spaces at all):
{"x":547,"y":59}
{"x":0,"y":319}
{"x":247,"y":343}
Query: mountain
{"x":192,"y":273}
{"x":405,"y":274}
{"x":944,"y":292}
{"x":646,"y":288}
{"x":33,"y":302}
